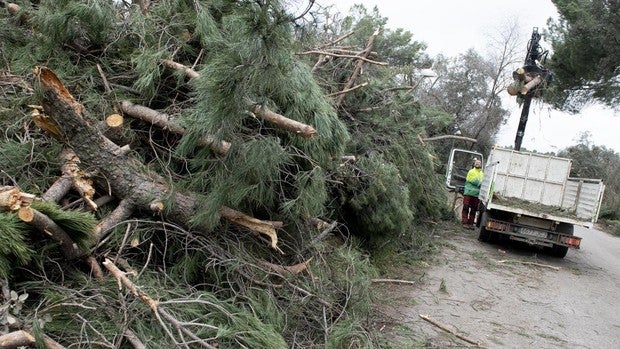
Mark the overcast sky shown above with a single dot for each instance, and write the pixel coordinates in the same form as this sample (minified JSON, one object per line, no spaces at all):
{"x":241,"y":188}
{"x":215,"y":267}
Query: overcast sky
{"x":451,"y":27}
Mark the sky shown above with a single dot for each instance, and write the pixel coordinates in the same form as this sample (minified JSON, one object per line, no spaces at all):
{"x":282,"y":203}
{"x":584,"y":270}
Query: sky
{"x":451,"y":27}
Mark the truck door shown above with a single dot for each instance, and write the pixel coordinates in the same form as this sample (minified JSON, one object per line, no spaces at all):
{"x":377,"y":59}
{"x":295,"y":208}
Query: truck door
{"x":459,"y":163}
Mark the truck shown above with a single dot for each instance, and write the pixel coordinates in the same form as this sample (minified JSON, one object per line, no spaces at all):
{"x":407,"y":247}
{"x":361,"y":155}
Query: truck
{"x":530,"y":197}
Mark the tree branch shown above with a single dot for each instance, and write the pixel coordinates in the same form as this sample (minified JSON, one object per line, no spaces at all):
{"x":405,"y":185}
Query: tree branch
{"x":18,"y":339}
{"x":165,"y":122}
{"x":358,"y":66}
{"x":158,"y":311}
{"x":445,"y":328}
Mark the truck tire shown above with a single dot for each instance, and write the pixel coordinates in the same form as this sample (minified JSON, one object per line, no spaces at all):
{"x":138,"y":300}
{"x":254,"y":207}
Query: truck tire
{"x":483,"y":234}
{"x":559,"y":251}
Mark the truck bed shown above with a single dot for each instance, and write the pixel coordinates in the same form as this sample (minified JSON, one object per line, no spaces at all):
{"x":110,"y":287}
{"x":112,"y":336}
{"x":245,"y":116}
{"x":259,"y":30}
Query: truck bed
{"x":539,"y":185}
{"x":539,"y":210}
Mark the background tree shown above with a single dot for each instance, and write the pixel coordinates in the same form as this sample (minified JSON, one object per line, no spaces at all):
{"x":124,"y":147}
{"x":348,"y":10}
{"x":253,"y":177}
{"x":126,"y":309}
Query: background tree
{"x":469,"y":88}
{"x":586,"y":53}
{"x":593,"y":161}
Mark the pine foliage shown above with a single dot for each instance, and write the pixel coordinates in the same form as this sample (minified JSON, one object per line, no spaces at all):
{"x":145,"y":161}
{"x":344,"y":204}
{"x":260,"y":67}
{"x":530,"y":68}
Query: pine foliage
{"x":15,"y":248}
{"x":252,"y":62}
{"x":394,"y":182}
{"x":80,"y":226}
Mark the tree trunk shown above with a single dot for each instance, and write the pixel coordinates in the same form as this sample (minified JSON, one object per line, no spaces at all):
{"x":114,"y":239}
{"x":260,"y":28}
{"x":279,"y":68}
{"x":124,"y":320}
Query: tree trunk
{"x":127,"y":178}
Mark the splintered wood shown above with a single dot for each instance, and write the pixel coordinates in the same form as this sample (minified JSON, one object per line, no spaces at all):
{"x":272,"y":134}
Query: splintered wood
{"x":12,"y":199}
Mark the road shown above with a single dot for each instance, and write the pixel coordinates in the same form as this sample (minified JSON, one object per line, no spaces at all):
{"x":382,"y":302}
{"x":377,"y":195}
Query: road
{"x":510,"y":296}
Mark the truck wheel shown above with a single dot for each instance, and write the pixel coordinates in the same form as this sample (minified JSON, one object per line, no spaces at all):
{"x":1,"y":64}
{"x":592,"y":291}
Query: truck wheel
{"x":483,"y":234}
{"x":559,"y":251}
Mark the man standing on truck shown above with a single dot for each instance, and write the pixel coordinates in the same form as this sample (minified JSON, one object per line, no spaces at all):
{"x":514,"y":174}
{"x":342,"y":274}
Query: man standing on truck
{"x":470,"y":195}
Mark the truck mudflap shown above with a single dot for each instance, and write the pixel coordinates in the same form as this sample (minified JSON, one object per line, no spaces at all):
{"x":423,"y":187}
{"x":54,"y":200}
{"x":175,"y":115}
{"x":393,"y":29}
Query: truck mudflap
{"x":531,"y":235}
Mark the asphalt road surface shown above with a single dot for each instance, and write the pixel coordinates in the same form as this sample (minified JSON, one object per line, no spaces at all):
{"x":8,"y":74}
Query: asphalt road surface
{"x":507,"y":295}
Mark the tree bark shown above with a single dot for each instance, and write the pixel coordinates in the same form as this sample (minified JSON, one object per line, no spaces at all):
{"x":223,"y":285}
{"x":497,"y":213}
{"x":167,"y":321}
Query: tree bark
{"x":46,"y":225}
{"x":283,"y":122}
{"x":189,"y":72}
{"x":22,"y":338}
{"x":164,"y":121}
{"x":128,"y":179}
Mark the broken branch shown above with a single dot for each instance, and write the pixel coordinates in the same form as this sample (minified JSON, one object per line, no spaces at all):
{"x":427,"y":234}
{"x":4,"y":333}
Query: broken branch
{"x":281,"y":121}
{"x":445,"y":328}
{"x":358,"y":66}
{"x":461,"y":138}
{"x":347,"y":90}
{"x":528,"y":263}
{"x":285,"y":269}
{"x":340,"y":55}
{"x":267,"y":228}
{"x":18,"y":339}
{"x":165,"y":122}
{"x":392,"y":281}
{"x":189,"y":72}
{"x":158,"y":311}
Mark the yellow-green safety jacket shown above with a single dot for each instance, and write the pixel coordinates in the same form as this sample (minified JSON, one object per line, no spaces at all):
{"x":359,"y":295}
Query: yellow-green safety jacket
{"x":473,"y":182}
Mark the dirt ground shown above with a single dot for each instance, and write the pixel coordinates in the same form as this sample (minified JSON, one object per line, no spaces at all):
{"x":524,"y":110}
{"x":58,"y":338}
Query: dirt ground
{"x":506,"y":295}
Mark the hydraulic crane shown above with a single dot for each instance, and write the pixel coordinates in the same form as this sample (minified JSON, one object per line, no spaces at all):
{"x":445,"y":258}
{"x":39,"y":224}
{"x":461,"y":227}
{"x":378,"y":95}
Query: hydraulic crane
{"x":529,"y":81}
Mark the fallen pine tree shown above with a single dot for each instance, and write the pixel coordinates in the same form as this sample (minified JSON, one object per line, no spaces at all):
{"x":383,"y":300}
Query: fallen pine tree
{"x":180,"y":166}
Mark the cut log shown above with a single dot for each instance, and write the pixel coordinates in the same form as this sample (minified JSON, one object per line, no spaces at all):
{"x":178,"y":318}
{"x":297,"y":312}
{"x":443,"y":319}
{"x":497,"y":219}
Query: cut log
{"x":530,"y":85}
{"x":514,"y":88}
{"x":165,"y":122}
{"x":10,"y":198}
{"x":114,"y":120}
{"x":128,"y":178}
{"x":26,"y":214}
